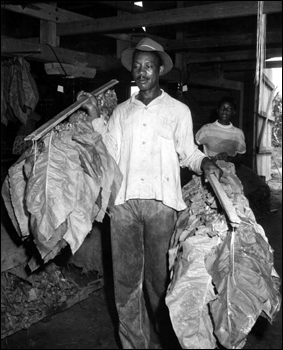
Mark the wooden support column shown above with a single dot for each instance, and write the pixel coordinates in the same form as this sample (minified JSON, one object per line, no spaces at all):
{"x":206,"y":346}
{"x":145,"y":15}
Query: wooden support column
{"x":48,"y":32}
{"x":179,"y":60}
{"x":120,"y":44}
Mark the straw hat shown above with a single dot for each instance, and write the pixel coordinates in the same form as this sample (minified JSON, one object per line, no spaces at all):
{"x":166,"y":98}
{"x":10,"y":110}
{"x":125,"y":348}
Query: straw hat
{"x":147,"y":44}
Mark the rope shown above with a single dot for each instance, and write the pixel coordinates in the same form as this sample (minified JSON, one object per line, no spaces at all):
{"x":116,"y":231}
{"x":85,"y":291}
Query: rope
{"x":57,"y":59}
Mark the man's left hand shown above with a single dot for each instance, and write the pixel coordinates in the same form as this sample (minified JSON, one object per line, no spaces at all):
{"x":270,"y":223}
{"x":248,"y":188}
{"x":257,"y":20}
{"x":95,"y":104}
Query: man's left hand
{"x":210,"y":167}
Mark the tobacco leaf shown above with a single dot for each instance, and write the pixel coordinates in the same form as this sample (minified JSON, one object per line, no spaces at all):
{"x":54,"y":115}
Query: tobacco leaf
{"x":52,"y":187}
{"x":189,"y":293}
{"x":241,"y":269}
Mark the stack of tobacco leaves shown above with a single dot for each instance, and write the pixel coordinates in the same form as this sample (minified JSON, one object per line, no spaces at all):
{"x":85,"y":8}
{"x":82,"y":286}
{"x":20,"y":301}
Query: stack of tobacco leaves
{"x":222,"y":278}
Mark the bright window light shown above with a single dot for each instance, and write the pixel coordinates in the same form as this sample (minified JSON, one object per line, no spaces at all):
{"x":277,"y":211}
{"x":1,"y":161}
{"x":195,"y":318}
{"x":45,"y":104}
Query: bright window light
{"x":274,"y":59}
{"x":138,"y":3}
{"x":144,"y":29}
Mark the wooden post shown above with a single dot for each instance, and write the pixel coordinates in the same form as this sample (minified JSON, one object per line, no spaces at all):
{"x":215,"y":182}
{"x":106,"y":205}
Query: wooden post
{"x":48,"y":31}
{"x":120,"y":44}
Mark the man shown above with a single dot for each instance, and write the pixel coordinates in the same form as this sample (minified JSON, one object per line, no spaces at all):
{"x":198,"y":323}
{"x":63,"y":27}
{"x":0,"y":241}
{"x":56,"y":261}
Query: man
{"x":150,"y":136}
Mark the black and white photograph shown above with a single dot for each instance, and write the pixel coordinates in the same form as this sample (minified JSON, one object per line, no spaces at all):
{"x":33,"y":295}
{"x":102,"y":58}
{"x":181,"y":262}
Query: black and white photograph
{"x":141,"y":174}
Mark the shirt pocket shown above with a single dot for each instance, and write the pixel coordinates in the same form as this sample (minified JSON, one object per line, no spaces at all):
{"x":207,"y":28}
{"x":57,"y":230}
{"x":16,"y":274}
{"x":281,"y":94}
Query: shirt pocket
{"x":128,"y":131}
{"x":164,"y":128}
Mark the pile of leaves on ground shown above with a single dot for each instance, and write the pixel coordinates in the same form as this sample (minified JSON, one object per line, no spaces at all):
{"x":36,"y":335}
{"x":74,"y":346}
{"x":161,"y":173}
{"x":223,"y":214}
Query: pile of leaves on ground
{"x":27,"y":301}
{"x":222,"y":277}
{"x":62,"y":184}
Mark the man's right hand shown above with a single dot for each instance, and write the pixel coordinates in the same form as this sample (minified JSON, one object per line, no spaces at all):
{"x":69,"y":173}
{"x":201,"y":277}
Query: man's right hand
{"x":90,"y":104}
{"x":210,"y":167}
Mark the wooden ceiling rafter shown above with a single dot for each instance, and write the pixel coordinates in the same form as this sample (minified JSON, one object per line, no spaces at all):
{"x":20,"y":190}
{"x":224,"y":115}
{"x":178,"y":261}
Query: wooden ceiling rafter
{"x":229,"y":9}
{"x":58,"y":15}
{"x":107,"y":27}
{"x":229,"y":56}
{"x":43,"y":53}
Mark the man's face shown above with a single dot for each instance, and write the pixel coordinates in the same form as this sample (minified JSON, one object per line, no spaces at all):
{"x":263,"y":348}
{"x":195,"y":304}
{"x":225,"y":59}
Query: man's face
{"x":146,"y":70}
{"x":225,"y":113}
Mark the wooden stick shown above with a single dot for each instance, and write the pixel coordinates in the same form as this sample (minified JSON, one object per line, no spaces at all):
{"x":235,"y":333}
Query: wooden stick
{"x":43,"y":129}
{"x":224,"y":200}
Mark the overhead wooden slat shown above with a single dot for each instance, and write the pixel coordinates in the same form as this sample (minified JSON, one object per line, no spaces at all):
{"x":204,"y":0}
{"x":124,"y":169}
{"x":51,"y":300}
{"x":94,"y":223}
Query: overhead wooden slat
{"x":228,"y":56}
{"x":272,"y":37}
{"x":229,"y":9}
{"x":216,"y":82}
{"x":122,"y":6}
{"x":46,"y":12}
{"x":10,"y":46}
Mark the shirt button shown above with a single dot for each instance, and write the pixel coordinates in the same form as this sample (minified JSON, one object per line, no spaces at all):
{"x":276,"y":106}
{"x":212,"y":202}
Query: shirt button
{"x":144,"y":124}
{"x":143,"y":143}
{"x":145,"y":107}
{"x":142,"y":179}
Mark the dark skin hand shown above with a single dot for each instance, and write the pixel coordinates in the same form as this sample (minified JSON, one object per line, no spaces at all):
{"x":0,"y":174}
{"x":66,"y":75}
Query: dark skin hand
{"x":90,"y":105}
{"x":208,"y":166}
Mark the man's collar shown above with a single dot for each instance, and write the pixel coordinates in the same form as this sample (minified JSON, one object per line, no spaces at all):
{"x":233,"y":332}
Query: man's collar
{"x":158,"y":99}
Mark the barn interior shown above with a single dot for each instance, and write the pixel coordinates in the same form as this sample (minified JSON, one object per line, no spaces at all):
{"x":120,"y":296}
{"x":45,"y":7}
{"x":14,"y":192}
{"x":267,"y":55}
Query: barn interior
{"x":218,"y":48}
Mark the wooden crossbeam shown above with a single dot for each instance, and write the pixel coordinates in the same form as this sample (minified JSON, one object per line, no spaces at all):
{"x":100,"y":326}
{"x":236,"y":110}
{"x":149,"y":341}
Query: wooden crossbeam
{"x":46,"y":12}
{"x":45,"y":53}
{"x":228,"y":56}
{"x":216,"y":41}
{"x":229,"y":9}
{"x":58,"y":15}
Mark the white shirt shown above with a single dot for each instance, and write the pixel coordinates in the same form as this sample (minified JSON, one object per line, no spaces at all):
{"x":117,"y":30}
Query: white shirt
{"x":217,"y":138}
{"x":149,"y":144}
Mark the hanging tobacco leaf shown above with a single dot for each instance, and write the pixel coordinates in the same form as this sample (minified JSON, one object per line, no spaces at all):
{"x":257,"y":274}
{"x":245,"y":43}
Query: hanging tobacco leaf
{"x":52,"y":187}
{"x":242,"y":273}
{"x":17,"y":183}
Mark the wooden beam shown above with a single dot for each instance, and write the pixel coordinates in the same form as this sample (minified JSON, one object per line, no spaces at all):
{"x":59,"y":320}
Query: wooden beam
{"x":48,"y":33}
{"x":121,"y":45}
{"x":56,"y":69}
{"x":55,"y":14}
{"x":127,"y":6}
{"x":46,"y":12}
{"x":239,"y":66}
{"x":221,"y":40}
{"x":45,"y":53}
{"x":179,"y":37}
{"x":215,"y":82}
{"x":229,"y":9}
{"x":228,"y":56}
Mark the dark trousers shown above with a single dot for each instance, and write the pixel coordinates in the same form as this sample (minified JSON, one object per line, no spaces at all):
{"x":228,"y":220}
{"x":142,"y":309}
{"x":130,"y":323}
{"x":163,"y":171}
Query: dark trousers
{"x":140,"y":236}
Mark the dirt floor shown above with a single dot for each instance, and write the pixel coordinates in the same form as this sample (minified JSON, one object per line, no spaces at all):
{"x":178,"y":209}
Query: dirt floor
{"x":91,"y":323}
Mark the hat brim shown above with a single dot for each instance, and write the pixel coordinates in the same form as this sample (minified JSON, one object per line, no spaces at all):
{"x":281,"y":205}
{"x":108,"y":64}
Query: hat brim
{"x":127,"y":59}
